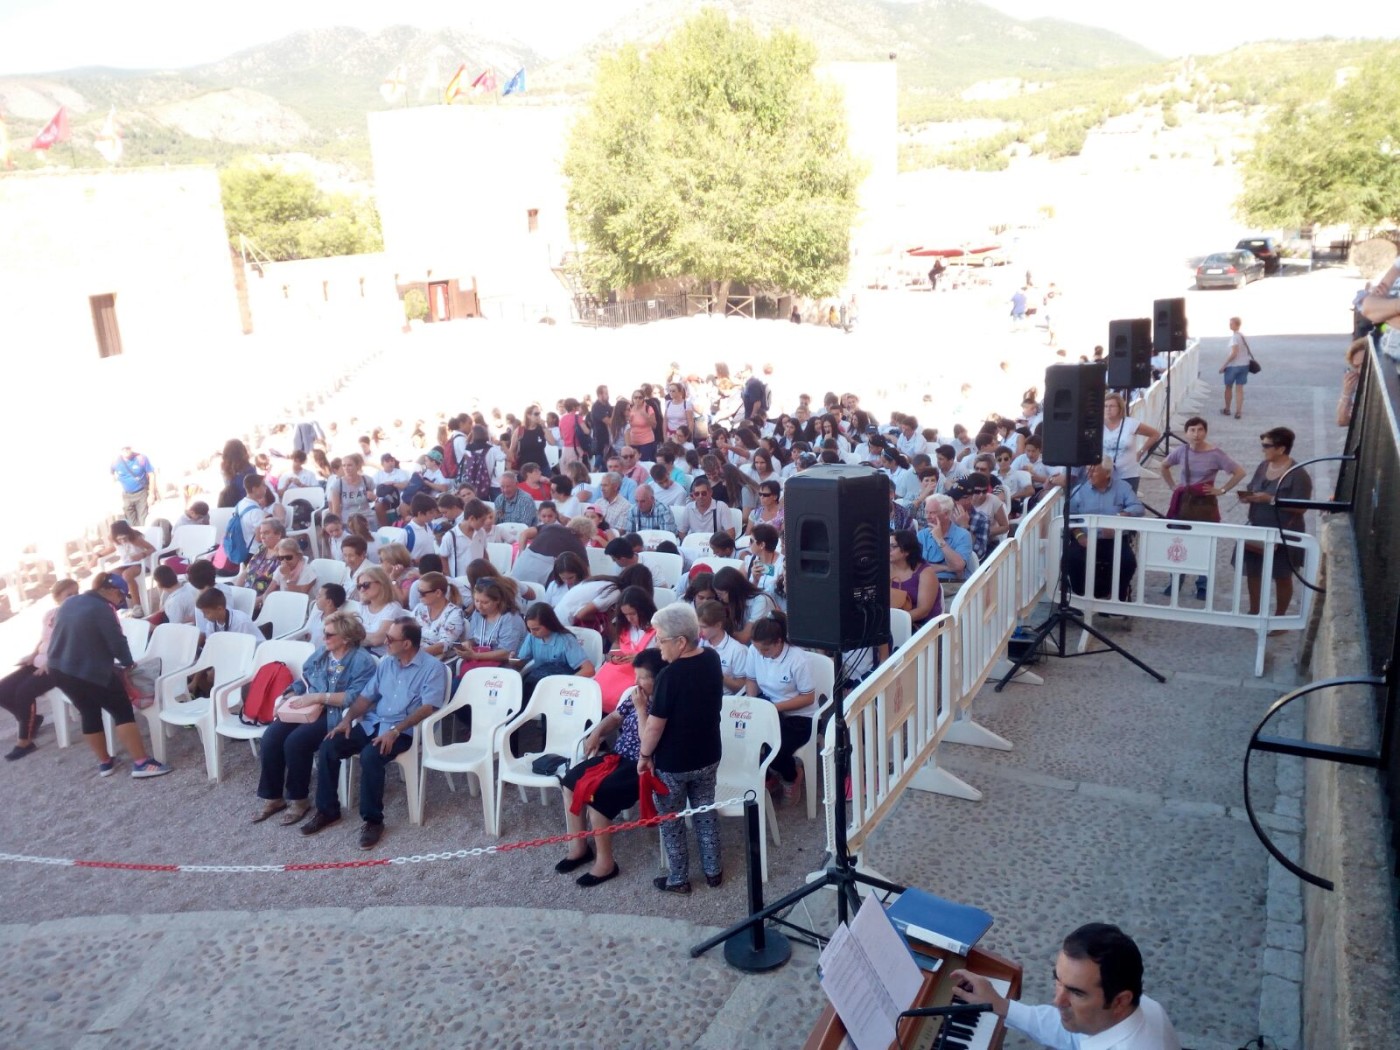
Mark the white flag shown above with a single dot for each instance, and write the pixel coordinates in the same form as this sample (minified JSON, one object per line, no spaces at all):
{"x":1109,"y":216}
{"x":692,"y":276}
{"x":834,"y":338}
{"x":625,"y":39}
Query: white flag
{"x":109,"y":139}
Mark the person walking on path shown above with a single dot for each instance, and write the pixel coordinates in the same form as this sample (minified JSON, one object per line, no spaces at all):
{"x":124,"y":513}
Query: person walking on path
{"x":137,"y":478}
{"x":1236,"y":368}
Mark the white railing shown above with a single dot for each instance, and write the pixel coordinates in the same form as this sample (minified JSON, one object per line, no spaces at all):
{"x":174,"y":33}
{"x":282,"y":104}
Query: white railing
{"x":1038,"y":551}
{"x":1194,"y":548}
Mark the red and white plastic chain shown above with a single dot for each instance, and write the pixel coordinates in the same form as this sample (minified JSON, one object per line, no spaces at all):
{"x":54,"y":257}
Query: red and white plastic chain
{"x":417,"y":858}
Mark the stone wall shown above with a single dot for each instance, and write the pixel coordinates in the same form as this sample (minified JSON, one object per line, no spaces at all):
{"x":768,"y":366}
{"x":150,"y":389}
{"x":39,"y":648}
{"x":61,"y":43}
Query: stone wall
{"x":1351,"y":991}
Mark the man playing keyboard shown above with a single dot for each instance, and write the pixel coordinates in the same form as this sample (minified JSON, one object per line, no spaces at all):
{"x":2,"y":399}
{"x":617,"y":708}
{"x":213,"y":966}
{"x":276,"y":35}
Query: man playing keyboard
{"x":1098,"y":1002}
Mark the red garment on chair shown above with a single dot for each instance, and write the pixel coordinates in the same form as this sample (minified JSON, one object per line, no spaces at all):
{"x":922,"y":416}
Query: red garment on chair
{"x":587,"y":785}
{"x":647,"y":783}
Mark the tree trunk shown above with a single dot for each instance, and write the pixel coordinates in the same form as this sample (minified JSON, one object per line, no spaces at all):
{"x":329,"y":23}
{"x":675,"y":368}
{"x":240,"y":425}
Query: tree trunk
{"x":722,"y":296}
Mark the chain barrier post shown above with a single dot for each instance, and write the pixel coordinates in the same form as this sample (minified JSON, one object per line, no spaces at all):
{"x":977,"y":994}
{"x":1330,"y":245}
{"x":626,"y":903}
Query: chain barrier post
{"x":755,"y":949}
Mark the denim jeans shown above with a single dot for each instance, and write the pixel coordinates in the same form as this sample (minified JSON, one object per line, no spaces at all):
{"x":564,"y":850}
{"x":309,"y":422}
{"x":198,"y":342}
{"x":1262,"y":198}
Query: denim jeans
{"x":287,"y":751}
{"x":372,"y":764}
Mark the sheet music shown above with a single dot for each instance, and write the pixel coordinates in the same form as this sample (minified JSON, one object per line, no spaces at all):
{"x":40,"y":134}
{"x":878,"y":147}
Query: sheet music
{"x":869,"y":977}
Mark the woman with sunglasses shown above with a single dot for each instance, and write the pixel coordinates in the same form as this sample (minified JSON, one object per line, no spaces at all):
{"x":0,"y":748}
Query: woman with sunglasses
{"x":528,"y":440}
{"x":770,"y":507}
{"x":1274,"y":479}
{"x":439,"y":614}
{"x":679,"y":412}
{"x":379,"y":606}
{"x":293,"y":570}
{"x":337,"y":672}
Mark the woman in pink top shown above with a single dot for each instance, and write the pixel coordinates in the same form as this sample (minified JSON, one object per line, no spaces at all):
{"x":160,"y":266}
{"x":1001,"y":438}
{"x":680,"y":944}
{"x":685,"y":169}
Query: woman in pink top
{"x":22,"y":687}
{"x":643,"y":426}
{"x":634,"y":633}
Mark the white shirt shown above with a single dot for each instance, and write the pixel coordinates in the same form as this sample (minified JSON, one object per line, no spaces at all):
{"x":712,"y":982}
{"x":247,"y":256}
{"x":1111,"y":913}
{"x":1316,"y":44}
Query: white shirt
{"x":424,"y":542}
{"x":250,"y":514}
{"x":601,"y":594}
{"x":669,"y":496}
{"x":786,"y":675}
{"x":1121,"y":443}
{"x":691,"y":519}
{"x":300,"y":479}
{"x":178,"y":605}
{"x":397,"y":477}
{"x":911,"y":446}
{"x":1146,"y":1028}
{"x":458,"y":550}
{"x":238,"y":623}
{"x":733,"y":656}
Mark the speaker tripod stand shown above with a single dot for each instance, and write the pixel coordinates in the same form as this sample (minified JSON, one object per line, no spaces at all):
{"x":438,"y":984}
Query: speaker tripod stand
{"x":1164,"y":441}
{"x":1064,"y":616}
{"x":841,"y":874}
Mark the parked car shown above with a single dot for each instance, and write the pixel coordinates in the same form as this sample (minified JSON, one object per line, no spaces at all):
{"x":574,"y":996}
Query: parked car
{"x":1265,"y":249}
{"x":1229,"y":270}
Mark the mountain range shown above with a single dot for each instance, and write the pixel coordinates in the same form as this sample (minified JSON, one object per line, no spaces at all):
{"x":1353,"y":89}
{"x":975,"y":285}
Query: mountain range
{"x":308,"y":92}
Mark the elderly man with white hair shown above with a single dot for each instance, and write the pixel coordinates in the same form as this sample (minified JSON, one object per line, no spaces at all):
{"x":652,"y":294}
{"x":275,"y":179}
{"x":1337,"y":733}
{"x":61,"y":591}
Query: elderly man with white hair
{"x":946,"y":545}
{"x":649,"y":514}
{"x":616,"y":510}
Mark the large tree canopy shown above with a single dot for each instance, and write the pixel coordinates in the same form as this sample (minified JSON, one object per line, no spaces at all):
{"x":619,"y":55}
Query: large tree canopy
{"x":1329,"y":161}
{"x":717,"y":156}
{"x":287,"y":217}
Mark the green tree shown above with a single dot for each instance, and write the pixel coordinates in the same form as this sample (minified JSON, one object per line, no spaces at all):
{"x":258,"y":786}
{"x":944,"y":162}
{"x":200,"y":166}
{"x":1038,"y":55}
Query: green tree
{"x":1330,"y":161}
{"x":716,"y":157}
{"x":288,"y":217}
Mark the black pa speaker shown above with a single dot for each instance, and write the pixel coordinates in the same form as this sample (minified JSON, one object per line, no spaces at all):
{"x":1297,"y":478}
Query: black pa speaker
{"x":836,"y":544}
{"x":1130,"y":354}
{"x":1072,"y":432}
{"x":1169,"y":326}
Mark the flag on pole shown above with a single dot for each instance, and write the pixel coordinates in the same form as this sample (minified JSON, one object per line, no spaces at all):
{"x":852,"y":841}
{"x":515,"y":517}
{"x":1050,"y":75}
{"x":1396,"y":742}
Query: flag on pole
{"x":484,"y":83}
{"x":55,"y":131}
{"x":395,"y":86}
{"x":454,"y":86}
{"x":515,"y":83}
{"x":109,"y":139}
{"x":5,"y":147}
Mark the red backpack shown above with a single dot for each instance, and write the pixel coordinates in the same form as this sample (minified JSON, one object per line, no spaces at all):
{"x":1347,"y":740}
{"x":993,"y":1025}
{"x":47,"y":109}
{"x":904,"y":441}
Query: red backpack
{"x":267,"y":686}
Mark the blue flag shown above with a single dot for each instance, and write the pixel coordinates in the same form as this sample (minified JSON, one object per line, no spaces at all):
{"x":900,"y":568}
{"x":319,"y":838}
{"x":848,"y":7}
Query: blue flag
{"x":515,"y":83}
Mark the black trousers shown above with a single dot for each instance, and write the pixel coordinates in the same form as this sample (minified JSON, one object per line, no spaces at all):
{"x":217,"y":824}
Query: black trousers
{"x":92,"y":699}
{"x":796,"y":730}
{"x":287,"y":751}
{"x":18,"y":692}
{"x":1077,"y":561}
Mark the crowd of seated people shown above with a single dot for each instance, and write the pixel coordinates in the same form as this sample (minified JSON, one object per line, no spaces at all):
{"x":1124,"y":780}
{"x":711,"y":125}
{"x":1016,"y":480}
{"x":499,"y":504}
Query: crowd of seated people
{"x":521,"y":535}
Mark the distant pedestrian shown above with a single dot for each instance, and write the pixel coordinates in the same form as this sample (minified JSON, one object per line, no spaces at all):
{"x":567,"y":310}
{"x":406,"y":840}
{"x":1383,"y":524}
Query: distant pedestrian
{"x":1236,"y":368}
{"x":1018,"y":305}
{"x":137,"y":478}
{"x":934,"y":273}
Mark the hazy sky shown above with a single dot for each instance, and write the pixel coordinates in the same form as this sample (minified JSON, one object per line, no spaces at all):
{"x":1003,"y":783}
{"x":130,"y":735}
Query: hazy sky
{"x":40,"y":35}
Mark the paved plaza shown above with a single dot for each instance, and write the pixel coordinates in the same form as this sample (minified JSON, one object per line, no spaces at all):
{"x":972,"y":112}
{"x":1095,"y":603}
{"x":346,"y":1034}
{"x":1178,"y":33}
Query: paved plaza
{"x":1121,"y":801}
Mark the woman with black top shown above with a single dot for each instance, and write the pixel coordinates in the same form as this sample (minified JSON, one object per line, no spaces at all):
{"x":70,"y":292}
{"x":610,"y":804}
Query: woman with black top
{"x":681,"y":743}
{"x":235,"y":466}
{"x":529,"y":440}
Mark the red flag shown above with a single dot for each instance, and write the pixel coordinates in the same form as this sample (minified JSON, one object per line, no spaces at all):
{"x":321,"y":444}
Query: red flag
{"x":55,"y":131}
{"x":484,"y":83}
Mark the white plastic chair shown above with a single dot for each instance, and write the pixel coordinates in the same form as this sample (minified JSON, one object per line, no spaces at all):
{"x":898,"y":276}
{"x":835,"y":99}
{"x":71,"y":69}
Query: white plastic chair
{"x":501,"y":556}
{"x":716,"y":564}
{"x":748,"y":724}
{"x":241,"y":599}
{"x":138,"y":635}
{"x":666,"y":569}
{"x":599,"y":564}
{"x":190,"y":542}
{"x":285,"y":610}
{"x":386,"y":534}
{"x":595,"y":478}
{"x":230,"y":656}
{"x":571,"y":707}
{"x":552,"y":454}
{"x":653,"y":537}
{"x":698,"y":544}
{"x":329,"y":570}
{"x":176,"y":645}
{"x":736,"y":518}
{"x":228,"y":699}
{"x":494,"y":696}
{"x":592,"y":643}
{"x":507,"y":532}
{"x":823,"y":673}
{"x":219,"y":517}
{"x":901,"y":627}
{"x":663,"y":596}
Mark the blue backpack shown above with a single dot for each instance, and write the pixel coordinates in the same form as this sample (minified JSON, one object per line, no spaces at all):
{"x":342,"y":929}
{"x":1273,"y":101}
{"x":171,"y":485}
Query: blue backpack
{"x":235,"y":547}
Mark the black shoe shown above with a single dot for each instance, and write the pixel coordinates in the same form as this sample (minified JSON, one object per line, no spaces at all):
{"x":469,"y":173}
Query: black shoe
{"x":569,"y":864}
{"x":319,"y":822}
{"x":588,"y":879}
{"x":714,"y":881}
{"x":370,"y":835}
{"x":665,"y":887}
{"x":20,"y":752}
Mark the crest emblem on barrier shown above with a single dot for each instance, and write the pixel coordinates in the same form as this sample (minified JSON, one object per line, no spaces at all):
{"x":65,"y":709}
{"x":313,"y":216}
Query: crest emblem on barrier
{"x":1176,"y":551}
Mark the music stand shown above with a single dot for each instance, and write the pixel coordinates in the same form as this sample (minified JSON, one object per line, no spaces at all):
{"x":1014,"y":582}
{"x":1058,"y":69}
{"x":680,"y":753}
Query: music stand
{"x":1064,"y":615}
{"x":840,"y":873}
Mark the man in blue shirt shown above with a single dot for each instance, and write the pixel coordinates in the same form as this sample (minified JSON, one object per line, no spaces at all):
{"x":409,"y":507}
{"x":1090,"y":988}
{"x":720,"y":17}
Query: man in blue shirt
{"x":1102,"y":493}
{"x":945,"y":545}
{"x":408,"y":686}
{"x":137,"y":478}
